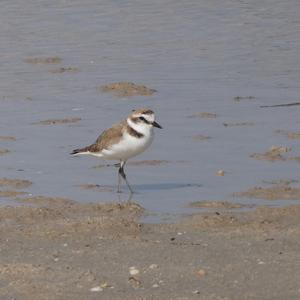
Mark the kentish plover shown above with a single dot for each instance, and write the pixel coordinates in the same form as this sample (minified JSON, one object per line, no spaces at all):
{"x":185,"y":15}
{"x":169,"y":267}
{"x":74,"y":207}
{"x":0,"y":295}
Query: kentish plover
{"x":124,"y":140}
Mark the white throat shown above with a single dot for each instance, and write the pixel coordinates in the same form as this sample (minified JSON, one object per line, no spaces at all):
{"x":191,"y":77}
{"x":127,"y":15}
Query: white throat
{"x":145,"y":129}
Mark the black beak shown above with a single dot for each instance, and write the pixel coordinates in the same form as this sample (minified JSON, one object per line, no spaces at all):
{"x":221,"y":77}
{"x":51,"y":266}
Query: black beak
{"x":155,"y":124}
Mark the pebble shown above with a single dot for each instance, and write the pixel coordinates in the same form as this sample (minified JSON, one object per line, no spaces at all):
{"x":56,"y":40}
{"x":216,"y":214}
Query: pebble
{"x":96,"y":289}
{"x":134,"y":281}
{"x":133,"y":271}
{"x":153,"y":266}
{"x":220,"y":173}
{"x":200,"y":273}
{"x":155,"y":285}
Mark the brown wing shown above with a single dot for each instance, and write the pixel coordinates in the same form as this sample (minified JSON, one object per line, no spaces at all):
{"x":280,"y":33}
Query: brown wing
{"x":106,"y":138}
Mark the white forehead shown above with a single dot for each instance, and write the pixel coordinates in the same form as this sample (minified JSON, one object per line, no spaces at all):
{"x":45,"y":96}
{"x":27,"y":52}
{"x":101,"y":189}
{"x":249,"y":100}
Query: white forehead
{"x":149,"y":117}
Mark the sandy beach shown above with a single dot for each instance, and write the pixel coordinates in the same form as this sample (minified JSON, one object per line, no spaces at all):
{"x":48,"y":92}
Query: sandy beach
{"x":60,"y":249}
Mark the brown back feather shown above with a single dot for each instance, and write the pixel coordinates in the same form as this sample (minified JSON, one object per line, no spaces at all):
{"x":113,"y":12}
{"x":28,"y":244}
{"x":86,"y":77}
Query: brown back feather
{"x":106,"y":138}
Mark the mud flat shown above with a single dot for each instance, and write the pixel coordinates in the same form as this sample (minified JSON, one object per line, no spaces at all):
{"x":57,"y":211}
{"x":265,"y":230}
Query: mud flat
{"x":126,"y":89}
{"x":273,"y":154}
{"x":293,"y":135}
{"x":57,"y":121}
{"x":216,"y":204}
{"x":277,"y":192}
{"x":205,"y":115}
{"x":43,"y":60}
{"x":61,"y":249}
{"x":15,"y":183}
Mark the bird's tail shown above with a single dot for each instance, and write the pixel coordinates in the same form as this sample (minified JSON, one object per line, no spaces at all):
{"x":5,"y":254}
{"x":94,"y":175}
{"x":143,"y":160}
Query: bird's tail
{"x":80,"y":151}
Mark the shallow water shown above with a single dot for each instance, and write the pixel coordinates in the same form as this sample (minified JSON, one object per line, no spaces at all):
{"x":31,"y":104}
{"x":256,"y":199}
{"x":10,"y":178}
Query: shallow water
{"x":198,"y":55}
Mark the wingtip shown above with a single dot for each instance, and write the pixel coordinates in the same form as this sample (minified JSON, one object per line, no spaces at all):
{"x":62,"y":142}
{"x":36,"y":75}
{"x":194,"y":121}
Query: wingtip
{"x":76,"y":151}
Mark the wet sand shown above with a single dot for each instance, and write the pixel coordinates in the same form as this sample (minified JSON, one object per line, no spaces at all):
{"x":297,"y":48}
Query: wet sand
{"x":60,"y":249}
{"x":126,"y":89}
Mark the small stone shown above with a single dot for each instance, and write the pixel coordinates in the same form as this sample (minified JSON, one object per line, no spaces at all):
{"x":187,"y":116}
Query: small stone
{"x":135,"y":282}
{"x":220,"y":173}
{"x":200,"y":273}
{"x":133,"y":271}
{"x":196,"y":292}
{"x":153,"y":266}
{"x":96,"y":289}
{"x":155,"y":285}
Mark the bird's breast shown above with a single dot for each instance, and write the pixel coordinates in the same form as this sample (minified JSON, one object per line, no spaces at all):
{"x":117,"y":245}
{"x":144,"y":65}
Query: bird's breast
{"x":128,"y":146}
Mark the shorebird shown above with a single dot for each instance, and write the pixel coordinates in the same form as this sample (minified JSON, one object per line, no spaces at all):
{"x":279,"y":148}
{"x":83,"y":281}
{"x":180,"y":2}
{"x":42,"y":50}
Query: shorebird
{"x":124,"y":140}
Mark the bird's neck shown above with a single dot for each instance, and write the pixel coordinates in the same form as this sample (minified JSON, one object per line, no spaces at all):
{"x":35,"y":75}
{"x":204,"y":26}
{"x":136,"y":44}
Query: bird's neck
{"x":142,"y":129}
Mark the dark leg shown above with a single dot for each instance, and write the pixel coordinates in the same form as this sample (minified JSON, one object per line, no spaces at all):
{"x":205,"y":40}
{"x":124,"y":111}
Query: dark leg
{"x":122,"y":173}
{"x":119,"y":180}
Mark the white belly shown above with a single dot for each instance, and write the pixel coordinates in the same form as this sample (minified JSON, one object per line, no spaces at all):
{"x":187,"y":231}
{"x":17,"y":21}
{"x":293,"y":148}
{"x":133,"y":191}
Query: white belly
{"x":129,"y":146}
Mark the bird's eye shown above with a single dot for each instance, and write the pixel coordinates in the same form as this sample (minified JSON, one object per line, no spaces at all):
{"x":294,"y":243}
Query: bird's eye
{"x":142,"y":118}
